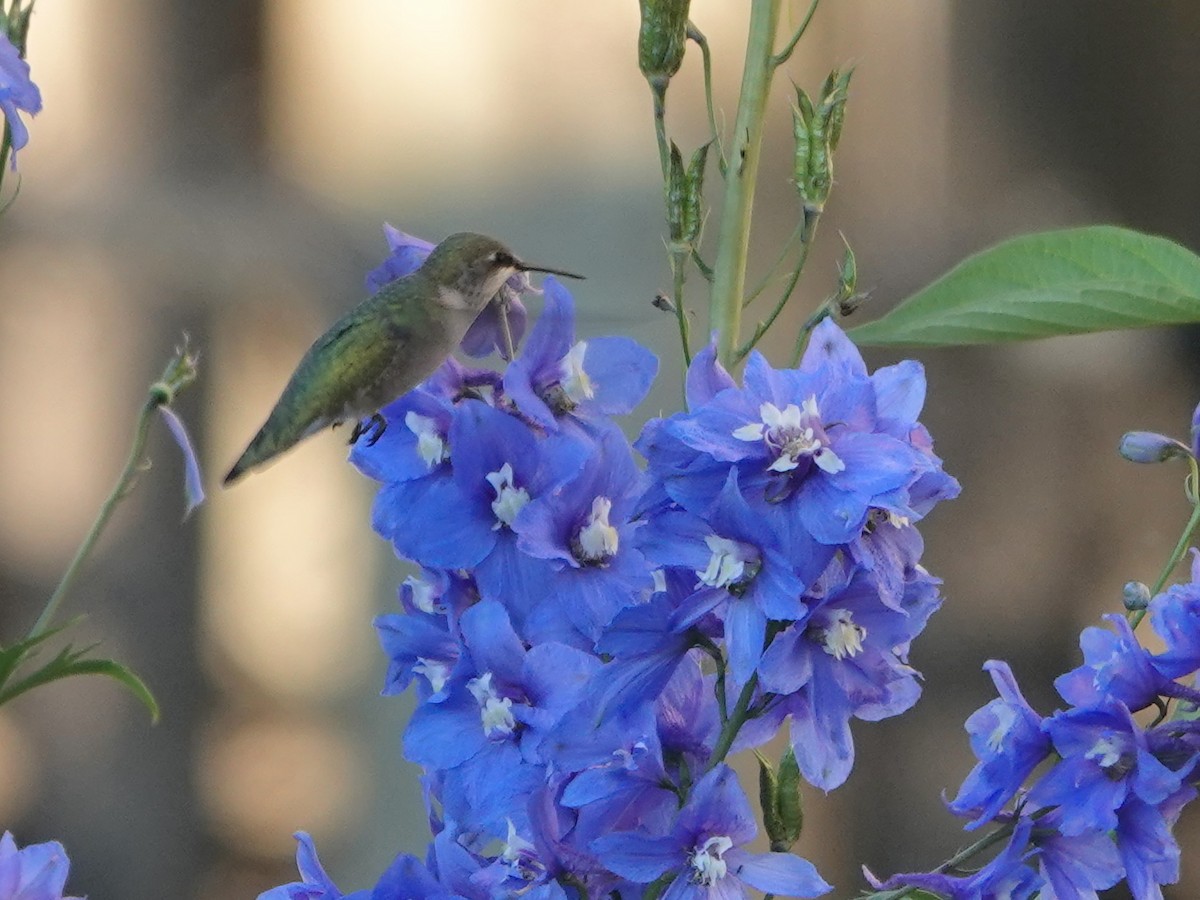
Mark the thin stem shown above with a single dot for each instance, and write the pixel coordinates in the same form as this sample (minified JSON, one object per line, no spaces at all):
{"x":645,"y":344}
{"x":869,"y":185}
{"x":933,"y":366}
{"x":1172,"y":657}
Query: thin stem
{"x":1181,"y":546}
{"x":732,"y":725}
{"x":733,"y":240}
{"x":786,"y":53}
{"x":679,"y":275}
{"x":807,"y":233}
{"x":133,"y":464}
{"x":658,"y":92}
{"x":822,"y":312}
{"x":697,"y":35}
{"x":952,"y":863}
{"x":783,"y":255}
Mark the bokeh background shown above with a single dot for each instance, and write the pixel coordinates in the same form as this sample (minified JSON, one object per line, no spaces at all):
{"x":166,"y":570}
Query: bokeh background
{"x":222,"y":168}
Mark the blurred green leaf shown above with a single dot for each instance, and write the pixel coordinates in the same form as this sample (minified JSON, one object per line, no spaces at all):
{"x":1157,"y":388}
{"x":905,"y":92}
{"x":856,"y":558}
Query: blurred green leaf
{"x":70,"y":662}
{"x":1052,"y":283}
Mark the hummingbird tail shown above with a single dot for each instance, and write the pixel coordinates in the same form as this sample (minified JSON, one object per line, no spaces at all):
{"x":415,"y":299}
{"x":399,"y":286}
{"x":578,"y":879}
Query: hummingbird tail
{"x":263,"y":448}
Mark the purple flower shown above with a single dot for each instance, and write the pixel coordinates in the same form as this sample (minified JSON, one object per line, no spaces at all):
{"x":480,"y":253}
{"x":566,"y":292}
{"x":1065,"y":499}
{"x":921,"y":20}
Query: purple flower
{"x":1175,"y":615}
{"x":583,"y":529}
{"x":1115,"y":666}
{"x":37,"y":871}
{"x":817,"y":448}
{"x":738,"y":562}
{"x":314,"y":883}
{"x":1076,"y":866}
{"x":1106,"y":760}
{"x":847,"y":659}
{"x":502,"y":701}
{"x":406,"y":256}
{"x":703,"y":850}
{"x":556,"y":377}
{"x":1008,"y":740}
{"x":17,"y":92}
{"x":1007,"y":876}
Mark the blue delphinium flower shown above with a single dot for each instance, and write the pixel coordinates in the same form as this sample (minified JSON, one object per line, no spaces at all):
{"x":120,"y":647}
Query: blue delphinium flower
{"x":17,"y":92}
{"x":502,"y":701}
{"x":583,"y":529}
{"x":1077,"y":866}
{"x":485,"y":334}
{"x":314,"y":883}
{"x":703,"y":852}
{"x":1007,"y":877}
{"x":1175,"y":616}
{"x":738,"y":562}
{"x":33,"y":872}
{"x":1114,"y":666}
{"x":818,"y":448}
{"x":1009,"y":742}
{"x":847,"y":659}
{"x":555,"y":377}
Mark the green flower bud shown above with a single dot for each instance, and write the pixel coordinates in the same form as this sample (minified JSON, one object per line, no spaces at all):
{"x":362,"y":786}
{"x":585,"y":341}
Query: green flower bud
{"x":662,"y":39}
{"x":779,"y":797}
{"x":1136,"y":596}
{"x":685,"y":196}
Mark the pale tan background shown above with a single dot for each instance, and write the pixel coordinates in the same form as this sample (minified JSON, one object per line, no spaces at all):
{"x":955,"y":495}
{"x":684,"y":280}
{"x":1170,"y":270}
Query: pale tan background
{"x":224,"y":167}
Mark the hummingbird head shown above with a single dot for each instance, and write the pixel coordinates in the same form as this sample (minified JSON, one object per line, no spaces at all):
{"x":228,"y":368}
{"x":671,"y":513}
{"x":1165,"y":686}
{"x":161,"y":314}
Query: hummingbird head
{"x":476,"y":266}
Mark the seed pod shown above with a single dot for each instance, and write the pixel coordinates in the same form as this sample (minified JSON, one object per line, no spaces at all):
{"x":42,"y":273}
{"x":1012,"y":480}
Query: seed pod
{"x":677,"y":190}
{"x":693,"y":213}
{"x":791,"y":805}
{"x":801,"y":116}
{"x":662,"y":39}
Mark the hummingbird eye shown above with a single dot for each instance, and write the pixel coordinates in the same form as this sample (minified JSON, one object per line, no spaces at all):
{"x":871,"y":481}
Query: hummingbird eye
{"x":503,"y":258}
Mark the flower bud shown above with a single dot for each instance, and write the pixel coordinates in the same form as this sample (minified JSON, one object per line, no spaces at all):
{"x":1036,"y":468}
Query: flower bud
{"x":1136,"y":596}
{"x":662,"y":39}
{"x":1150,"y":447}
{"x":779,"y":797}
{"x":685,"y":194}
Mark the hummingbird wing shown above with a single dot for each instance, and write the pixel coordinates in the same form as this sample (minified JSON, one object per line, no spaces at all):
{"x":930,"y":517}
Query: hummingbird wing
{"x":348,"y":372}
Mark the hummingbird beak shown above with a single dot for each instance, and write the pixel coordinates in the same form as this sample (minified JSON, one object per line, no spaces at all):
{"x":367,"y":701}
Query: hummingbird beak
{"x":525,"y":267}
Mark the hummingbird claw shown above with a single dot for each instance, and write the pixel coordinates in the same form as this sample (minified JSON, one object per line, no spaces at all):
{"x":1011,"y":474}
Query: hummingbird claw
{"x":377,"y":425}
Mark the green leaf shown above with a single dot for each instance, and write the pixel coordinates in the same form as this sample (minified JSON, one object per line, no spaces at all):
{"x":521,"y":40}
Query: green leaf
{"x":71,"y":662}
{"x":1075,"y":281}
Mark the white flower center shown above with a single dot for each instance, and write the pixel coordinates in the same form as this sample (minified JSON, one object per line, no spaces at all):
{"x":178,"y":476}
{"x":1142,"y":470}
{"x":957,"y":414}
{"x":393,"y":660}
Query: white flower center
{"x":843,"y":637}
{"x":727,"y":565}
{"x":573,"y":379}
{"x":495,"y":712}
{"x":431,"y":447}
{"x":791,"y":433}
{"x":707,"y":865}
{"x":597,"y":540}
{"x":510,"y":500}
{"x":1006,"y":717}
{"x":422,"y":594}
{"x":436,"y":673}
{"x":1106,"y":753}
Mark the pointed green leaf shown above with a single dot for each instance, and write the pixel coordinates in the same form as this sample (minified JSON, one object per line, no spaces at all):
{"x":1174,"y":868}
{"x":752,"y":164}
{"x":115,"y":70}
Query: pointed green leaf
{"x":1075,"y":281}
{"x":70,"y":662}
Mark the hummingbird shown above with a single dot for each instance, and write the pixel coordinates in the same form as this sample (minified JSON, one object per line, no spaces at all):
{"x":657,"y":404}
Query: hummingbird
{"x":386,"y":346}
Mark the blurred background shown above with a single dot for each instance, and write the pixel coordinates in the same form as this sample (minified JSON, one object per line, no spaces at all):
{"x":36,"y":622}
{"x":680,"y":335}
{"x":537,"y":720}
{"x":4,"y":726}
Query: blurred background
{"x":223,"y":168}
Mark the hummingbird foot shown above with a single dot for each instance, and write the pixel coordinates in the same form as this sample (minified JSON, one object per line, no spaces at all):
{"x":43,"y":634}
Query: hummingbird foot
{"x":377,"y":425}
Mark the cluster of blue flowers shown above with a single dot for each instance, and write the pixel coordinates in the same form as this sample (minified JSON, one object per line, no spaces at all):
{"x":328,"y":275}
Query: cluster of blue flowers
{"x":1108,"y":787}
{"x":590,"y":638}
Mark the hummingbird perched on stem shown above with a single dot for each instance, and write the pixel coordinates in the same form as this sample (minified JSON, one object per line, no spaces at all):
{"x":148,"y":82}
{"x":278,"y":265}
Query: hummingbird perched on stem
{"x":386,"y":345}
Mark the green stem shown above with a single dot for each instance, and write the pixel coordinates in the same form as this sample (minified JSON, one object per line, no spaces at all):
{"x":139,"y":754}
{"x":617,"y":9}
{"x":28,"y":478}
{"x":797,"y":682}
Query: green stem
{"x":807,"y":233}
{"x":770,"y":275}
{"x":1181,"y":545}
{"x":697,"y":35}
{"x":786,"y":53}
{"x":159,"y":395}
{"x":732,"y":725}
{"x":679,"y":275}
{"x":953,"y":862}
{"x":733,"y":240}
{"x":658,"y":91}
